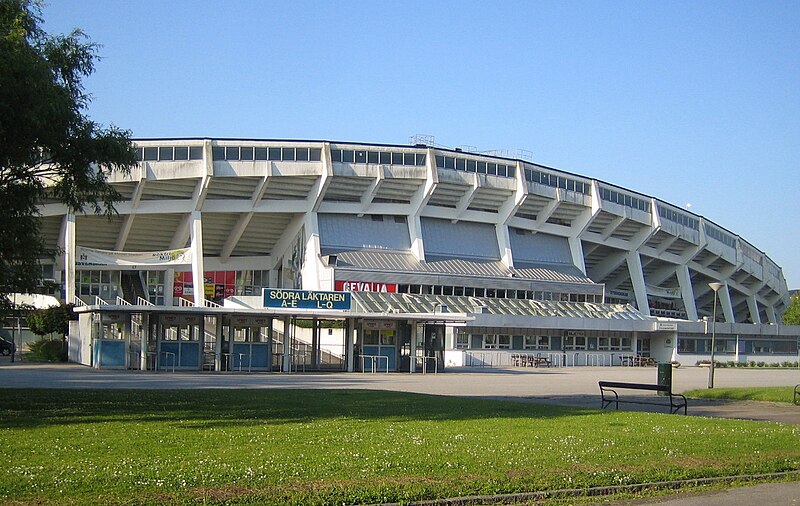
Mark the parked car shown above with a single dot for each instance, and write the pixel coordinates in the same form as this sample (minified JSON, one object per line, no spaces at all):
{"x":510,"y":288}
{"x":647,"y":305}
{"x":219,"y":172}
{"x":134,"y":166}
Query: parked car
{"x":6,"y":347}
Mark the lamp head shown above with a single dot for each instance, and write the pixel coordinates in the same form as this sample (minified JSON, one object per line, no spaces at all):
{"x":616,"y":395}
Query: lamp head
{"x":715,"y":286}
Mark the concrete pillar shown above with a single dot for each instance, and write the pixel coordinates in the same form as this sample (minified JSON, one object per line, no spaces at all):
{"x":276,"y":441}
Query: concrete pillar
{"x":752,"y":307}
{"x":727,"y":307}
{"x":687,"y":292}
{"x":287,"y":345}
{"x":349,"y":339}
{"x":634,"y":262}
{"x":198,"y":268}
{"x":69,"y":258}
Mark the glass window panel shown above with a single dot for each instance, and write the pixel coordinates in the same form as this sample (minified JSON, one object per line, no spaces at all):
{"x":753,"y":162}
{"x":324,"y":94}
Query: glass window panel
{"x":336,"y":155}
{"x":181,"y":152}
{"x":246,"y":153}
{"x":348,"y":156}
{"x":261,"y":154}
{"x":449,"y":162}
{"x":409,"y":159}
{"x":232,"y":153}
{"x":510,"y":171}
{"x":461,"y":164}
{"x":301,"y":154}
{"x":472,"y":166}
{"x":151,"y":154}
{"x":397,"y":158}
{"x":165,"y":153}
{"x":491,"y":168}
{"x":274,"y":153}
{"x":481,"y":167}
{"x":195,"y":152}
{"x":420,"y":158}
{"x":385,"y":157}
{"x":139,"y":154}
{"x":372,"y":157}
{"x":440,"y":161}
{"x":361,"y":156}
{"x":502,"y":170}
{"x":287,"y":154}
{"x":314,"y":154}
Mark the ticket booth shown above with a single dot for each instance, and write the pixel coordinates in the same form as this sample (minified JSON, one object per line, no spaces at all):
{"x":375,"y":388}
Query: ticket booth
{"x":179,"y":343}
{"x":111,"y":341}
{"x":247,"y":343}
{"x":378,"y":346}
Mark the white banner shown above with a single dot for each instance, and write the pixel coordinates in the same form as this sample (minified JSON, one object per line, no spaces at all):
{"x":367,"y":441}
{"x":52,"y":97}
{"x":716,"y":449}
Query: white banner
{"x":91,"y":257}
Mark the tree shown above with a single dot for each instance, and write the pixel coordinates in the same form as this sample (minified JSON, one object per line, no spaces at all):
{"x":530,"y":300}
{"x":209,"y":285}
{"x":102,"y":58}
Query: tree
{"x":50,"y":151}
{"x":792,"y":314}
{"x":52,"y":320}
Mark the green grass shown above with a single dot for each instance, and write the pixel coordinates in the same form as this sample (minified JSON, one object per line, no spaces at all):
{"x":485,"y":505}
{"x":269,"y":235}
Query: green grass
{"x":335,"y":447}
{"x":771,"y":394}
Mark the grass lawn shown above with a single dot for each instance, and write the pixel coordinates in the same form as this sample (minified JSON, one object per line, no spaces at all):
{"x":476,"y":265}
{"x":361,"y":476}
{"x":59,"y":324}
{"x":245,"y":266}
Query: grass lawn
{"x":337,"y":446}
{"x":772,"y":394}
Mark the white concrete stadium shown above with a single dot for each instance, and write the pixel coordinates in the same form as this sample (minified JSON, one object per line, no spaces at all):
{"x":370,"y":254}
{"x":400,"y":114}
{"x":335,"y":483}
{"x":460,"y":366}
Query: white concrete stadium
{"x":510,"y":257}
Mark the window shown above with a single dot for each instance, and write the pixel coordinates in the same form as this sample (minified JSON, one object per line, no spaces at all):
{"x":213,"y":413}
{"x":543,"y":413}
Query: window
{"x":314,"y":154}
{"x":181,"y":152}
{"x":462,"y":341}
{"x":232,"y":153}
{"x":420,"y":158}
{"x":287,"y":153}
{"x":195,"y":152}
{"x":361,"y":156}
{"x":536,"y":342}
{"x":150,"y":154}
{"x":246,"y":153}
{"x":274,"y":153}
{"x":385,"y":158}
{"x":261,"y":153}
{"x":165,"y":153}
{"x":348,"y":156}
{"x":372,"y":157}
{"x":496,"y":342}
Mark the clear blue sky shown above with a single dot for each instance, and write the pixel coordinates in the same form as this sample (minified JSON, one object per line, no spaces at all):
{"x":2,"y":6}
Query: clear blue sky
{"x":692,"y":102}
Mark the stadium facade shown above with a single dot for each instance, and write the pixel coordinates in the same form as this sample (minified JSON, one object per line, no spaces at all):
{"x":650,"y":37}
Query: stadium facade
{"x":452,"y":257}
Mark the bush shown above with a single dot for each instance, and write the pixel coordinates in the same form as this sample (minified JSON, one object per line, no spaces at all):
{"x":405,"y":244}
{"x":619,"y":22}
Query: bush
{"x":47,"y":350}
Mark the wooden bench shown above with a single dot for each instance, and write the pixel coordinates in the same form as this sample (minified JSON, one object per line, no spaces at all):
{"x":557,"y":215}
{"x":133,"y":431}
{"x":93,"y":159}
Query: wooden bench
{"x":676,"y":401}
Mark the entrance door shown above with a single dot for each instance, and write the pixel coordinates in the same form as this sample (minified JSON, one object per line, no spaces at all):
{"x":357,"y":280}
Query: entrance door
{"x":379,"y":348}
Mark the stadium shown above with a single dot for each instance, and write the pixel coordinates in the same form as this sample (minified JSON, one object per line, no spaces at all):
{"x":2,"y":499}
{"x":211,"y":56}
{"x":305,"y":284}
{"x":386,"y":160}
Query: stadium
{"x":282,"y":255}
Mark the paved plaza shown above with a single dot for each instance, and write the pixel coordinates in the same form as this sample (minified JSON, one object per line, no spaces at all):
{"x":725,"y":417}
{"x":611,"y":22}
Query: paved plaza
{"x":564,"y":386}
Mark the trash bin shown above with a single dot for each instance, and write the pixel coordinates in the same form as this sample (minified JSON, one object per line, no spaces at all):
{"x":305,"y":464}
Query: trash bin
{"x":665,"y":376}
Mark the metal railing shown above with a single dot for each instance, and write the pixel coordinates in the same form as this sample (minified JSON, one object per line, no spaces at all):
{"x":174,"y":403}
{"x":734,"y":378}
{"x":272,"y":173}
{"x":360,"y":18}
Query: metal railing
{"x":374,"y":362}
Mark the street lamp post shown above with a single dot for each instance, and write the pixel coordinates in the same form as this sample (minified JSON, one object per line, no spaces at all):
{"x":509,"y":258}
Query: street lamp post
{"x":715,"y":287}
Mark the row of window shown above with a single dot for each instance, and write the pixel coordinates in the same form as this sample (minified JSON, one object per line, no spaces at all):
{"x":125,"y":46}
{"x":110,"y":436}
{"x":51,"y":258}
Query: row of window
{"x":702,"y":346}
{"x":557,"y":181}
{"x":499,"y":293}
{"x":540,"y":342}
{"x":679,"y":218}
{"x":477,"y":166}
{"x":377,"y":157}
{"x":278,"y":154}
{"x":168,"y":153}
{"x":720,"y":236}
{"x":624,"y":199}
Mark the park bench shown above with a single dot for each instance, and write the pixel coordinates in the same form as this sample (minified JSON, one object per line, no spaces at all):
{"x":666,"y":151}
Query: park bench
{"x":609,"y":388}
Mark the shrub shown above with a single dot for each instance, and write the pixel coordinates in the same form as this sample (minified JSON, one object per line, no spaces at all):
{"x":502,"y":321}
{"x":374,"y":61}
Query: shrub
{"x":47,"y":350}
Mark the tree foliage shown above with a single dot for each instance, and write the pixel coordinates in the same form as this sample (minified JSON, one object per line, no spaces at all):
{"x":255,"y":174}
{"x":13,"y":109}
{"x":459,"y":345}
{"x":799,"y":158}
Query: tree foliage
{"x":51,"y":320}
{"x":792,"y":314}
{"x":50,"y":151}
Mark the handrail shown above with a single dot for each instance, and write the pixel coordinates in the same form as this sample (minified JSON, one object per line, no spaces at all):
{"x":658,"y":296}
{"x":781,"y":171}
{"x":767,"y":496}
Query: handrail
{"x":373,"y":359}
{"x":167,"y":354}
{"x":141,"y":301}
{"x":184,"y":302}
{"x":211,"y":303}
{"x":78,"y":302}
{"x":122,"y":302}
{"x":99,"y":302}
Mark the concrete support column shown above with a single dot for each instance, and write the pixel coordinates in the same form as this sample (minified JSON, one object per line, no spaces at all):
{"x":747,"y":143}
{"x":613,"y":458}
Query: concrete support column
{"x":504,"y":245}
{"x":169,"y":287}
{"x":727,"y":306}
{"x":687,"y":292}
{"x":218,"y":344}
{"x":576,"y":250}
{"x":415,"y":234}
{"x":752,"y":307}
{"x":634,"y":262}
{"x":198,"y":280}
{"x":69,"y":258}
{"x":772,"y":317}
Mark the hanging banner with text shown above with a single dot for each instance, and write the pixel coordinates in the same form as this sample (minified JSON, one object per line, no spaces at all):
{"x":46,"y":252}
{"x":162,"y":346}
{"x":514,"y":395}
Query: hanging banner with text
{"x":91,"y":257}
{"x":306,"y":299}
